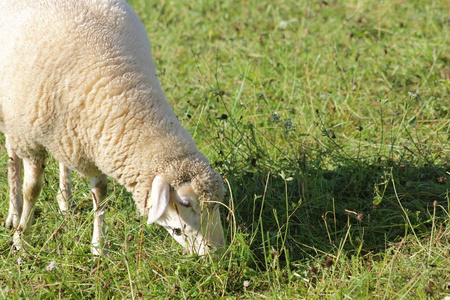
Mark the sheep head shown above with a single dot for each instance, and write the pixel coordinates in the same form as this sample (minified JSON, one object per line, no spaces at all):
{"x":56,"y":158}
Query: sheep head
{"x":192,"y":221}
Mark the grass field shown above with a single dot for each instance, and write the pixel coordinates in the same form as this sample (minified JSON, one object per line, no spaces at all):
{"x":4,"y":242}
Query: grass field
{"x":330,"y":122}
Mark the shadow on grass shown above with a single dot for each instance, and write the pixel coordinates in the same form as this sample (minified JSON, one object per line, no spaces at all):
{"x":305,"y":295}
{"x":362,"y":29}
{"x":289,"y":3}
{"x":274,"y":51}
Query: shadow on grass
{"x":360,"y":208}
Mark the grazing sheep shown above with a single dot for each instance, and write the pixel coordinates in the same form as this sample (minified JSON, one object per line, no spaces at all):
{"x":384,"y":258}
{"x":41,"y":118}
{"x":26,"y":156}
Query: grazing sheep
{"x":77,"y":79}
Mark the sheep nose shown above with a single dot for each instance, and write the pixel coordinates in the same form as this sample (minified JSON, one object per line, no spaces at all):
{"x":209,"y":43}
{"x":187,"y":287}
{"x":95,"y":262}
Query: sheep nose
{"x":177,"y":231}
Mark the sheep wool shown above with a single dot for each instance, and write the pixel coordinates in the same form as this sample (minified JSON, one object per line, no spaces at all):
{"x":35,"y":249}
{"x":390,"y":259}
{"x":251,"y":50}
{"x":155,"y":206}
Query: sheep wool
{"x":77,"y":79}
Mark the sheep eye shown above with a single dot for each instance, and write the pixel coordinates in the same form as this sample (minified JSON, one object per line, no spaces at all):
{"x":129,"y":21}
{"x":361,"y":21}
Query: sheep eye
{"x":177,"y":231}
{"x":184,"y":203}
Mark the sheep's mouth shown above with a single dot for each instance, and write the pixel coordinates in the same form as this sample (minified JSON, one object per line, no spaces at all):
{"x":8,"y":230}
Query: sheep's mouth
{"x":190,"y":246}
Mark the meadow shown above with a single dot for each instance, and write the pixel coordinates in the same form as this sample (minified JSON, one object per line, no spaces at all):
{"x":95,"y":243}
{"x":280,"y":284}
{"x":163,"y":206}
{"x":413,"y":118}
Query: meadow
{"x":330,"y":123}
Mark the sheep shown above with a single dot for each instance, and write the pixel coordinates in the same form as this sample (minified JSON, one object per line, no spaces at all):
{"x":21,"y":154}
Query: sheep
{"x":77,"y":80}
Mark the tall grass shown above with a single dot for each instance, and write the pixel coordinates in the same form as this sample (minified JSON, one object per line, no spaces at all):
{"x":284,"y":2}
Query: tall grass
{"x":330,"y":121}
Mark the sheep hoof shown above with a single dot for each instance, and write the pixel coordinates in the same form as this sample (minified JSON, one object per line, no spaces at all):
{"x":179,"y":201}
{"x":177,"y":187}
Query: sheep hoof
{"x":17,"y":248}
{"x":99,"y":251}
{"x":21,"y":251}
{"x":11,"y":222}
{"x":62,"y":203}
{"x":64,"y":213}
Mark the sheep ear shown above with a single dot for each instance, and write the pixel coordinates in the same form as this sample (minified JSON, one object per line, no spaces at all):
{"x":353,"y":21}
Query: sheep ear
{"x":159,"y":199}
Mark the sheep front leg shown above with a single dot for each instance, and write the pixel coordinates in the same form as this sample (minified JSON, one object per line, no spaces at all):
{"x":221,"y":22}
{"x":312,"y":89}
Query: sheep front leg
{"x":65,"y":189}
{"x":98,"y":190}
{"x":15,"y":189}
{"x":32,"y":186}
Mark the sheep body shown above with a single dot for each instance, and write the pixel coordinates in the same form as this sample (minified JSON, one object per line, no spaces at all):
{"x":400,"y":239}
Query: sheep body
{"x":77,"y":79}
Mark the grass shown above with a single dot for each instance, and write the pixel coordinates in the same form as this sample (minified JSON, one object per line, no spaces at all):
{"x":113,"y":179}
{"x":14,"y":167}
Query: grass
{"x":330,"y":121}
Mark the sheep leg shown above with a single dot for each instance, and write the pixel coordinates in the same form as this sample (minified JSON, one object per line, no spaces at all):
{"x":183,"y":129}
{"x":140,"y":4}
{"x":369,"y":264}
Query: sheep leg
{"x":65,"y":188}
{"x":32,"y":186}
{"x":98,"y":190}
{"x":15,"y":189}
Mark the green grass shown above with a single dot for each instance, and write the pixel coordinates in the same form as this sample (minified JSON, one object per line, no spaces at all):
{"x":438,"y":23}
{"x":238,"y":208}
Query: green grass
{"x":330,"y":121}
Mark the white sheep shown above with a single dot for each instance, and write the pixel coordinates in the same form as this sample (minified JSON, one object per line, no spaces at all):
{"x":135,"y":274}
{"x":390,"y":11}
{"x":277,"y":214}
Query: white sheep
{"x":77,"y":79}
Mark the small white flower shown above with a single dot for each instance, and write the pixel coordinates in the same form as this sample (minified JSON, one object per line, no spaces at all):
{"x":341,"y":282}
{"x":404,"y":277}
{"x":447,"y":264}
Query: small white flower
{"x":19,"y":261}
{"x":51,"y":266}
{"x":246,"y":283}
